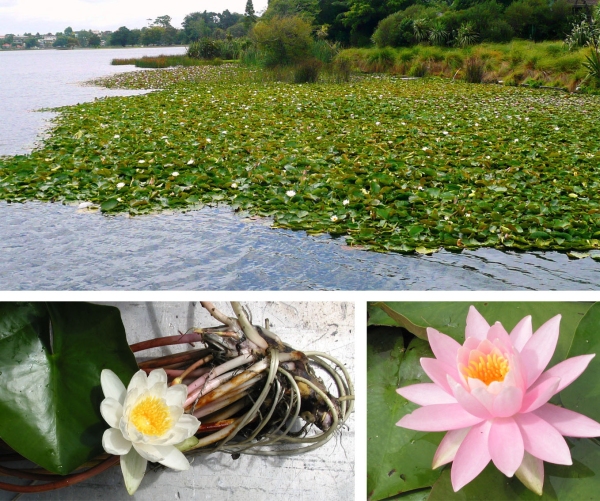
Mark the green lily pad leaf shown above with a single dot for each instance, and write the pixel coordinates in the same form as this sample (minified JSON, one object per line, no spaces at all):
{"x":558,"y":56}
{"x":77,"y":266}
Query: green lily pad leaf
{"x":398,"y":459}
{"x":109,"y":204}
{"x":425,"y":251}
{"x":579,"y":481}
{"x":450,"y":318}
{"x":578,"y":255}
{"x":51,"y":357}
{"x":582,"y":394}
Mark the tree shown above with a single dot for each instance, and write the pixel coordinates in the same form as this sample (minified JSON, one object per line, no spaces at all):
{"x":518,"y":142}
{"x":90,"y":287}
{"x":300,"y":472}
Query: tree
{"x":94,"y":40}
{"x":284,"y":40}
{"x":10,"y":38}
{"x":120,"y":37}
{"x":31,"y":42}
{"x":61,"y":41}
{"x":68,"y":31}
{"x":195,"y":26}
{"x":134,"y":37}
{"x":307,"y":9}
{"x":152,"y":35}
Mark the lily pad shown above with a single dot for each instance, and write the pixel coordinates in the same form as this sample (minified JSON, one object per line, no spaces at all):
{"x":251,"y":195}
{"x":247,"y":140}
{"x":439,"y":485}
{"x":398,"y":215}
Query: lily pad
{"x":51,"y":357}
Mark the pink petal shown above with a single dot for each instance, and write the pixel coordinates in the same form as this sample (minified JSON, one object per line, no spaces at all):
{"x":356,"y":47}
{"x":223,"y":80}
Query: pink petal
{"x":472,"y":456}
{"x":498,"y":332}
{"x":542,"y":440}
{"x":448,"y":447}
{"x":477,"y":326}
{"x":437,"y":372}
{"x":438,"y":417}
{"x":484,"y":396}
{"x":507,"y":402}
{"x":467,"y":401}
{"x":506,"y":445}
{"x":531,"y":473}
{"x":568,"y":371}
{"x":539,"y":349}
{"x":521,"y":333}
{"x":444,"y":347}
{"x":538,"y":396}
{"x":568,"y":423}
{"x":426,"y":394}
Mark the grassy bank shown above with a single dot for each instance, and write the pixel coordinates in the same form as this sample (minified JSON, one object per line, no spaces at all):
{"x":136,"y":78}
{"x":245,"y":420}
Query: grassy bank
{"x":519,"y":62}
{"x":393,"y":165}
{"x":163,"y":61}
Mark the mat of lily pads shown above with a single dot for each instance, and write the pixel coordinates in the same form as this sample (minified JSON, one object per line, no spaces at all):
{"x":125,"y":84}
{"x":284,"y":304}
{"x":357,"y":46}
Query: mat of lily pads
{"x":399,"y":460}
{"x":393,"y":165}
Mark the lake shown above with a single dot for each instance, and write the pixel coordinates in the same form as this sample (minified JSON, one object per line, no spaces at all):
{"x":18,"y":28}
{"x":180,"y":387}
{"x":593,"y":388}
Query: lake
{"x":56,"y":247}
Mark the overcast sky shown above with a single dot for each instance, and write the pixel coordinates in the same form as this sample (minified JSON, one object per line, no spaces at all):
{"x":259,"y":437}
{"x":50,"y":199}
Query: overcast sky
{"x":22,"y":16}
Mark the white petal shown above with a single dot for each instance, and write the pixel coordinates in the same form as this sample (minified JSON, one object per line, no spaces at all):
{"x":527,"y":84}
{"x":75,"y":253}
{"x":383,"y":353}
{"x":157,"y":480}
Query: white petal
{"x":157,"y":376}
{"x":112,"y":387}
{"x":114,"y":443}
{"x":150,"y":452}
{"x":175,"y":413}
{"x":531,"y":473}
{"x":189,"y":423}
{"x":133,"y":467}
{"x":112,"y":411}
{"x":158,"y":390}
{"x":176,"y":460}
{"x":138,"y":381}
{"x":176,"y":395}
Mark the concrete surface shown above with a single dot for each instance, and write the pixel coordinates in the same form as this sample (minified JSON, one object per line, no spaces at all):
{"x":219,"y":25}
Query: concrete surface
{"x":326,"y":474}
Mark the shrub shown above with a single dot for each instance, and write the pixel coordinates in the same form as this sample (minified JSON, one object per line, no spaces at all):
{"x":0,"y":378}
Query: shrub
{"x":394,"y":31}
{"x":325,"y":51}
{"x":307,"y":71}
{"x":203,"y":49}
{"x":283,"y":40}
{"x":341,"y":68}
{"x":466,"y":35}
{"x":419,"y":69}
{"x":438,"y":34}
{"x":381,"y":59}
{"x":473,"y":70}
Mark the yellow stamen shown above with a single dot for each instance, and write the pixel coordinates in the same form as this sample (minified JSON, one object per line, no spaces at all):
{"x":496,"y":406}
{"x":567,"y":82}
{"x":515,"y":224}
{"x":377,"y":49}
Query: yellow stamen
{"x":151,"y":416}
{"x":488,"y":369}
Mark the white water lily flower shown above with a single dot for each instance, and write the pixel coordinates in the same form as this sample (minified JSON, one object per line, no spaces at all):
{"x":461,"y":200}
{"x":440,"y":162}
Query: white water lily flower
{"x":290,"y":193}
{"x":174,"y":173}
{"x":120,"y":185}
{"x":146,"y":421}
{"x":346,"y":202}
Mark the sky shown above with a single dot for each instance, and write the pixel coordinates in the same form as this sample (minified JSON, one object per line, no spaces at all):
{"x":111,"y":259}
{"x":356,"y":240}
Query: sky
{"x":49,"y":16}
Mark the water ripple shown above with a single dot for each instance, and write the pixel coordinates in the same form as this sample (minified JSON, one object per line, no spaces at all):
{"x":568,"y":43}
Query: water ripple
{"x":55,"y":247}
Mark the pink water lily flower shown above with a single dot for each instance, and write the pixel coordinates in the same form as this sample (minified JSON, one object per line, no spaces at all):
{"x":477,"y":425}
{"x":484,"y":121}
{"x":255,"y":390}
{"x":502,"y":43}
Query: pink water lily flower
{"x":491,"y":395}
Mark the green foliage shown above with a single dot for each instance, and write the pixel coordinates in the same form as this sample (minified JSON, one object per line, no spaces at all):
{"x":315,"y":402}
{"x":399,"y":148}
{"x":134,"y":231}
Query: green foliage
{"x":592,"y":64}
{"x":203,"y":49}
{"x":438,"y":34}
{"x":51,"y":357}
{"x":413,"y":193}
{"x":341,"y":68}
{"x":120,"y":37}
{"x":473,"y":71}
{"x":381,"y":59}
{"x":307,"y":71}
{"x":394,"y":31}
{"x":283,"y":40}
{"x":466,"y":35}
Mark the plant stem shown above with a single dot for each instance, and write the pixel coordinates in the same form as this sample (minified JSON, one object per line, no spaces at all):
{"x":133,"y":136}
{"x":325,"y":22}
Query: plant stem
{"x":194,"y":337}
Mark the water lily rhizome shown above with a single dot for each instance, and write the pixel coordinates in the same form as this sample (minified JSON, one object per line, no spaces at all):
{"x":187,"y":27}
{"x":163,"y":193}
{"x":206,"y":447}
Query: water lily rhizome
{"x":75,"y":401}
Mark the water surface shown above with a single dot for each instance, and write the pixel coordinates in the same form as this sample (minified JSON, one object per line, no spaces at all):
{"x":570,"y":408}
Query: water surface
{"x":55,"y":247}
{"x":34,"y":79}
{"x":48,"y":246}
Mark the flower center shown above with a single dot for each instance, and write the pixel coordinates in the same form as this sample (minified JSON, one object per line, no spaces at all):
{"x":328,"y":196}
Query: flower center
{"x":488,"y":368}
{"x":151,"y":416}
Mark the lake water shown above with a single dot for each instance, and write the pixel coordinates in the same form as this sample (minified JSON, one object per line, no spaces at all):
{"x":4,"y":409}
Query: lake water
{"x":48,"y":246}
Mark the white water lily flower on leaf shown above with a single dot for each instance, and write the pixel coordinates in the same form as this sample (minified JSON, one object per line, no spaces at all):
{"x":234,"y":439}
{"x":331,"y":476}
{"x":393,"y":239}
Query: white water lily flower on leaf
{"x":146,"y":421}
